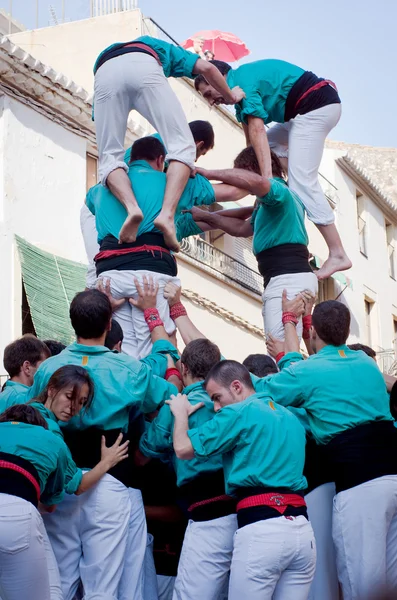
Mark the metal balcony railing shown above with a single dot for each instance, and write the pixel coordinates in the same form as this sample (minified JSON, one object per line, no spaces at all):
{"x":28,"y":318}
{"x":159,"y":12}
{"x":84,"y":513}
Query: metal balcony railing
{"x":387,"y":362}
{"x":225,"y":264}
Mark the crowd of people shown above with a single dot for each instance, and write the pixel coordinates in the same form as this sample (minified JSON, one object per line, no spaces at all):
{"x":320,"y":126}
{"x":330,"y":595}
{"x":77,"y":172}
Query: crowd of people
{"x":131,"y":470}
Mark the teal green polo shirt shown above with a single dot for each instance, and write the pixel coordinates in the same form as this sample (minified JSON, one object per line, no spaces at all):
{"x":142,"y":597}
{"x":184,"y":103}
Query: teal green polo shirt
{"x":262,"y":444}
{"x":148,"y":186}
{"x":120,"y":382}
{"x":13,"y":393}
{"x":157,"y":438}
{"x":266,"y":84}
{"x":176,"y":61}
{"x":47,"y":452}
{"x":279,"y":218}
{"x":339,"y":388}
{"x":186,"y":226}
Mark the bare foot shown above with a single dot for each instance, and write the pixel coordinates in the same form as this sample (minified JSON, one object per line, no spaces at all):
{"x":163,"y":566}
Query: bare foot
{"x":129,"y":230}
{"x":332,"y":265}
{"x":167,"y":227}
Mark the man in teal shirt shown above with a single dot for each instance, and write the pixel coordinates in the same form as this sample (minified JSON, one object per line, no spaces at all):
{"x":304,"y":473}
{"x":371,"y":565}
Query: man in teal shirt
{"x":149,"y":255}
{"x":120,"y":383}
{"x":279,"y":235}
{"x":21,"y":360}
{"x":345,"y":396}
{"x":263,"y":450}
{"x":306,"y":108}
{"x":133,"y":75}
{"x":204,"y":564}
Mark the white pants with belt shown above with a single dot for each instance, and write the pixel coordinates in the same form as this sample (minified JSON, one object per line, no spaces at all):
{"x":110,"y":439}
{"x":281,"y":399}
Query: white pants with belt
{"x":273,"y":559}
{"x":137,"y":341}
{"x":319,"y":508}
{"x":136,"y":81}
{"x":365,"y":537}
{"x":204,"y":565}
{"x":302,"y":141}
{"x":88,"y":534}
{"x":272,"y":300}
{"x":28,"y":570}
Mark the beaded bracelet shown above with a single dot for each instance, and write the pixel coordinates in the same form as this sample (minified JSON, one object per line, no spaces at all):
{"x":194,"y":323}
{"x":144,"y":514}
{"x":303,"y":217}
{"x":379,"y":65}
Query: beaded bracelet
{"x":177,"y":310}
{"x":152,"y":318}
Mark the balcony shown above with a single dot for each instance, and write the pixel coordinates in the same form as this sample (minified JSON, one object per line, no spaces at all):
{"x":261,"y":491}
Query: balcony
{"x":218,"y":261}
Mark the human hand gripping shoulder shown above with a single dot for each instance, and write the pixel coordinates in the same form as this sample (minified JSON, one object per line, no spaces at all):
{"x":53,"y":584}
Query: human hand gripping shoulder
{"x":182,"y":409}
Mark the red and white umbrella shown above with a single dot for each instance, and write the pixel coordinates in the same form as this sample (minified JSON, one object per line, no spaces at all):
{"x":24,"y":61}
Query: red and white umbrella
{"x":225,"y":46}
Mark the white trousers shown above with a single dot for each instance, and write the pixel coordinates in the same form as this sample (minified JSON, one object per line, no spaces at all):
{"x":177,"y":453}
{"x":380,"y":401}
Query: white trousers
{"x":26,"y":560}
{"x":88,"y":534}
{"x":165,"y":586}
{"x":133,"y":577}
{"x":365,"y":537}
{"x":302,"y":141}
{"x":319,"y":507}
{"x":272,"y":300}
{"x":136,"y":81}
{"x":204,"y":565}
{"x":273,"y":559}
{"x":150,"y":582}
{"x":137,"y":341}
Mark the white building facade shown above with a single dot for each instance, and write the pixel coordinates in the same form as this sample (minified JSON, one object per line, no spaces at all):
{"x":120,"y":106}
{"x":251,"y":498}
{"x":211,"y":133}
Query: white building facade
{"x":48,"y":161}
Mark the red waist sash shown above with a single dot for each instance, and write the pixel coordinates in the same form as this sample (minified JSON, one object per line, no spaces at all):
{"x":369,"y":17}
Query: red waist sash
{"x":315,"y":87}
{"x":280,"y":502}
{"x":4,"y":464}
{"x":122,"y":251}
{"x":223,"y":498}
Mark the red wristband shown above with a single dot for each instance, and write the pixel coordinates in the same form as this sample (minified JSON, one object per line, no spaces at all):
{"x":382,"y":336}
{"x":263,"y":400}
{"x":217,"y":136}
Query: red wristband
{"x":172,"y":371}
{"x":289,"y":317}
{"x":152,"y":318}
{"x":306,"y":334}
{"x":279,"y":356}
{"x":177,"y":310}
{"x":307,"y":322}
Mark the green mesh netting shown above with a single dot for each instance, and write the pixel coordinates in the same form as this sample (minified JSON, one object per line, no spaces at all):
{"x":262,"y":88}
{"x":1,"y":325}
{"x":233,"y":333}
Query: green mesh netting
{"x":50,"y":283}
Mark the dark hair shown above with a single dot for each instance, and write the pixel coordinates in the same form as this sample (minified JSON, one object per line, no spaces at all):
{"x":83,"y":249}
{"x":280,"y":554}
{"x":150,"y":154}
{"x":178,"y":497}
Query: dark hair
{"x":199,"y":357}
{"x":393,"y":401}
{"x":227,"y":371}
{"x":223,"y":67}
{"x":29,"y":348}
{"x":90,"y":313}
{"x":206,"y":52}
{"x":66,"y":376}
{"x":247,"y":160}
{"x":147,"y":148}
{"x":23,"y":413}
{"x":54,"y":347}
{"x":203,"y":131}
{"x":114,"y":336}
{"x":368,"y":351}
{"x":331,"y":320}
{"x":260,"y":364}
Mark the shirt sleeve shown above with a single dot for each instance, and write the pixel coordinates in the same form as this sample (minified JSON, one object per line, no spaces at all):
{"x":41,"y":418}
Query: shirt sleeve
{"x":217,"y":436}
{"x":186,"y":226}
{"x":289,"y":359}
{"x":150,"y":391}
{"x":54,"y":490}
{"x":157,"y":359}
{"x":284,"y":387}
{"x":251,"y":106}
{"x":277,"y":194}
{"x":203,"y":192}
{"x":182,"y":62}
{"x":158,"y":435}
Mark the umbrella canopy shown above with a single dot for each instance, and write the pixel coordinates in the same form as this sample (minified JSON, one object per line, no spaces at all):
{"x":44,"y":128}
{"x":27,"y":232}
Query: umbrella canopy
{"x":225,"y":46}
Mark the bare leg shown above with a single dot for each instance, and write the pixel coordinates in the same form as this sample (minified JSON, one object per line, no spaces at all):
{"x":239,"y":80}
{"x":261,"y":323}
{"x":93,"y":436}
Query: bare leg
{"x":120,"y":186}
{"x":337,"y":259}
{"x":177,"y":177}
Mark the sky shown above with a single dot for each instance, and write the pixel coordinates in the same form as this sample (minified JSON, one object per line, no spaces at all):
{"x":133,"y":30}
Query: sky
{"x":351,"y":42}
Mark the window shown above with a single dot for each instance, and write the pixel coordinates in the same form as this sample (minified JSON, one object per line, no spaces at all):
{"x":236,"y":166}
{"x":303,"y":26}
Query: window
{"x":91,"y":171}
{"x":368,"y":318}
{"x":391,"y":248}
{"x":361,"y":223}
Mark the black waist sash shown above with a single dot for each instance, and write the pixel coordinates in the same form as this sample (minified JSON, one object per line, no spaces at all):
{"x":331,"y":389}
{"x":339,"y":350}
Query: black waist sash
{"x":317,"y":99}
{"x":16,"y":484}
{"x":363,"y":453}
{"x":145,"y":259}
{"x":282,"y":260}
{"x":85,"y":447}
{"x":202,"y":488}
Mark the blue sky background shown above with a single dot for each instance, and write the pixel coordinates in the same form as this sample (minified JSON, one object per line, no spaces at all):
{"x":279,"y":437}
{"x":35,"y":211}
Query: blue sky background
{"x":352,"y":42}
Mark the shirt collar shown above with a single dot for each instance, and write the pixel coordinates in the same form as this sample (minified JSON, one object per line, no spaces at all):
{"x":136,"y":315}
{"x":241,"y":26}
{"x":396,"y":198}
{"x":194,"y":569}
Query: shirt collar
{"x":75,"y":347}
{"x":141,"y":163}
{"x":10,"y":383}
{"x":328,"y":350}
{"x":193,"y":387}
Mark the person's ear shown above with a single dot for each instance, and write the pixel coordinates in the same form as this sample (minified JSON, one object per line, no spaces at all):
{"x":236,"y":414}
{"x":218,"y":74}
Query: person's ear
{"x":160,"y":163}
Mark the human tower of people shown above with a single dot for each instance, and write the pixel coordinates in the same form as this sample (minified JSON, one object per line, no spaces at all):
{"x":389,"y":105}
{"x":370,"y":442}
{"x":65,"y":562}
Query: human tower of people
{"x":278,"y":483}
